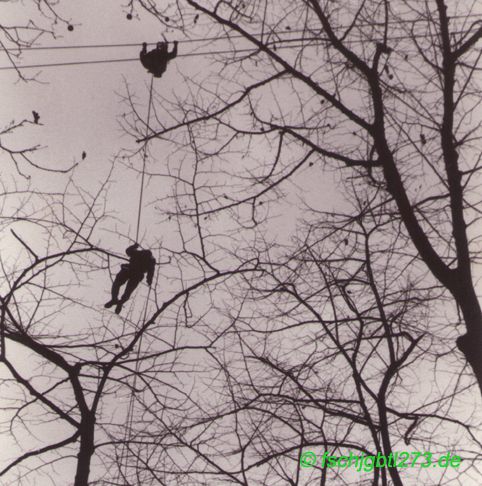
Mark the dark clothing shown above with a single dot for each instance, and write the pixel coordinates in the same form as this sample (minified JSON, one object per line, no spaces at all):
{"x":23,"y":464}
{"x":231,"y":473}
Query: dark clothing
{"x":132,"y":279}
{"x":132,"y":273}
{"x":140,"y":262}
{"x":155,"y":61}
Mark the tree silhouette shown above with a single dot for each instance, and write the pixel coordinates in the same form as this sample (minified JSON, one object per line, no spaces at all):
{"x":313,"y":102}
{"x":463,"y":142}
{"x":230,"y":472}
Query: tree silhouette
{"x":321,"y":349}
{"x":281,"y":320}
{"x":388,"y":91}
{"x":15,"y":38}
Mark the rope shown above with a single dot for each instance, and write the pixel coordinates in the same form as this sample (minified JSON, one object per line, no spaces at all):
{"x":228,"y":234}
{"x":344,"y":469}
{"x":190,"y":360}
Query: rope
{"x":123,"y":463}
{"x":2,"y":335}
{"x":130,"y":410}
{"x":144,"y":157}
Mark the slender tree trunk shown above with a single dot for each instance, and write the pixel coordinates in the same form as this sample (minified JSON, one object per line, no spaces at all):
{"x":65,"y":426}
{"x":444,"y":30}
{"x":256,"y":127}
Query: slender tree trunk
{"x":387,"y":446}
{"x":86,"y":450}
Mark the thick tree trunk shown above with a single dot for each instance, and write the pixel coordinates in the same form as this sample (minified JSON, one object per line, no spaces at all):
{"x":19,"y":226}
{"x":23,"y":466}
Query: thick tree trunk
{"x":471,"y":343}
{"x":86,"y":450}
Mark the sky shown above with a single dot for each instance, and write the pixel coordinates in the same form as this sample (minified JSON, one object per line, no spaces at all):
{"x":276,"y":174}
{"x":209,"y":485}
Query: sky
{"x":80,"y":106}
{"x":81,"y":109}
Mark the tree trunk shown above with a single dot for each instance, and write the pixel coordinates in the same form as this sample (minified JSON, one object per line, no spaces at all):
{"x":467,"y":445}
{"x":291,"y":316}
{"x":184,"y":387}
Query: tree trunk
{"x":86,"y":450}
{"x":471,"y":343}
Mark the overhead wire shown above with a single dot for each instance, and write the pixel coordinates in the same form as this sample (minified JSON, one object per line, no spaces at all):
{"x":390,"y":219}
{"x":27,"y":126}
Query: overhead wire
{"x":276,"y":45}
{"x":273,"y":42}
{"x":236,"y":36}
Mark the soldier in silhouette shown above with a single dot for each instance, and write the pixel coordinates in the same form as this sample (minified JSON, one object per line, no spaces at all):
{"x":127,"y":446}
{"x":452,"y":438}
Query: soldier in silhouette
{"x":155,"y":61}
{"x":132,"y":273}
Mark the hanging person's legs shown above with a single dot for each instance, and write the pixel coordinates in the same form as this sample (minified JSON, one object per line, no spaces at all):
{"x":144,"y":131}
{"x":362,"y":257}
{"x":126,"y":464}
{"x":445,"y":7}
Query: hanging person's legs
{"x":134,"y":280}
{"x":121,"y":278}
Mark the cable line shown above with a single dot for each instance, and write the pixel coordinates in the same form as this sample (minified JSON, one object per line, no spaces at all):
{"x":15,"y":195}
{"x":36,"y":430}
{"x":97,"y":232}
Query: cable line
{"x":317,"y":41}
{"x":144,"y":156}
{"x":79,"y":63}
{"x":239,"y":36}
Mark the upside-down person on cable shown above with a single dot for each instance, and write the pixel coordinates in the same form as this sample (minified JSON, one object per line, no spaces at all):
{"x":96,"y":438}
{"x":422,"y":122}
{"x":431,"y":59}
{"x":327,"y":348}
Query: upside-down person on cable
{"x":140,"y":262}
{"x":155,"y":61}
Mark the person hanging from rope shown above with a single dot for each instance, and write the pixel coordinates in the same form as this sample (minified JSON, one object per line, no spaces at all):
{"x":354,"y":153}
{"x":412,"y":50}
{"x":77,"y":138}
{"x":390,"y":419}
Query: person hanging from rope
{"x":155,"y":61}
{"x":132,"y":273}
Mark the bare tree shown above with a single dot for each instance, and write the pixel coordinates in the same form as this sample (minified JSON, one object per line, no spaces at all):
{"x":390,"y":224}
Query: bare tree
{"x":319,"y":350}
{"x":15,"y":38}
{"x":387,"y":90}
{"x":71,"y":363}
{"x":255,"y":351}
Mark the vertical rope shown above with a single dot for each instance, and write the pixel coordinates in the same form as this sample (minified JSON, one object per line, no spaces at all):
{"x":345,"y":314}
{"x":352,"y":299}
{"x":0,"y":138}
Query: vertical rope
{"x":123,"y":466}
{"x":144,"y":157}
{"x":130,"y":410}
{"x":2,"y":334}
